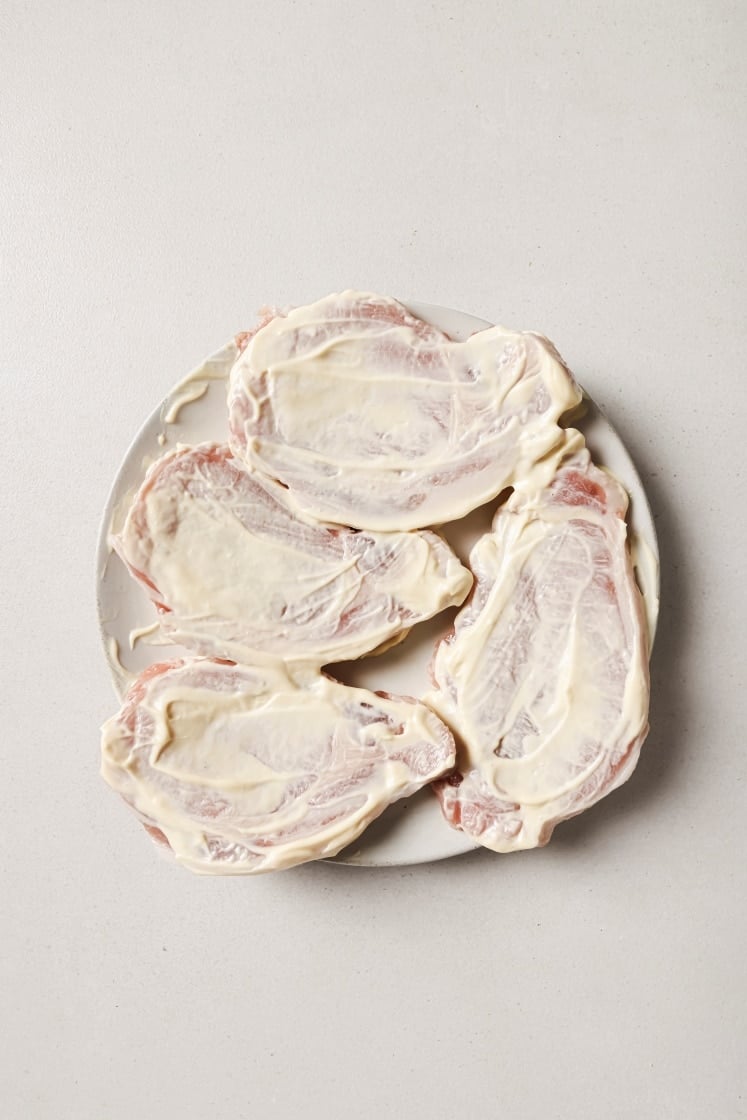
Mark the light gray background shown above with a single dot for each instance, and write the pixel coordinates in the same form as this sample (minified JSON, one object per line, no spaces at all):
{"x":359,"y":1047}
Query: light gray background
{"x":578,"y":169}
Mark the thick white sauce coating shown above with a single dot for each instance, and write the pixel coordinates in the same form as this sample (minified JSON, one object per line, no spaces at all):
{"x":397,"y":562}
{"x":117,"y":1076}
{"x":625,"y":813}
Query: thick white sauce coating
{"x":244,"y":769}
{"x":545,"y":678}
{"x":375,"y":419}
{"x":242,"y":575}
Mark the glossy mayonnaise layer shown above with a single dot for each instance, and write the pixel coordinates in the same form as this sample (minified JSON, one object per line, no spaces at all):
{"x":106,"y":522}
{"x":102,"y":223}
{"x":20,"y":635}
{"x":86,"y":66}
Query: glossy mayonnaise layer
{"x":195,"y":385}
{"x":242,"y":575}
{"x":245,"y":769}
{"x":375,"y":419}
{"x":545,"y":678}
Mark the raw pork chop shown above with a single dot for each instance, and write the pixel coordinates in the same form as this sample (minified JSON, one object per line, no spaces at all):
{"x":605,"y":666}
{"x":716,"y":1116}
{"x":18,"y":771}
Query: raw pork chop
{"x":242,"y":769}
{"x":545,"y":676}
{"x":375,"y":419}
{"x":235,"y":572}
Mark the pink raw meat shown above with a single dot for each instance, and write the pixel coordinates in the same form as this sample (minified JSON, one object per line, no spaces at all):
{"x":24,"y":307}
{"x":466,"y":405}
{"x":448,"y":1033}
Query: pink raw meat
{"x":545,"y":676}
{"x":236,"y":573}
{"x":242,"y":768}
{"x":375,"y":419}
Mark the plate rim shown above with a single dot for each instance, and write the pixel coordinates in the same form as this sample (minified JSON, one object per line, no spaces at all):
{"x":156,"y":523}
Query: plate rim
{"x":462,"y":325}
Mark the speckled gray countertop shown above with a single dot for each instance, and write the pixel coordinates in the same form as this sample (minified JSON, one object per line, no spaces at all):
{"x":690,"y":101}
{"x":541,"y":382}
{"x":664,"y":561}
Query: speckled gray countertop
{"x":579,"y":171}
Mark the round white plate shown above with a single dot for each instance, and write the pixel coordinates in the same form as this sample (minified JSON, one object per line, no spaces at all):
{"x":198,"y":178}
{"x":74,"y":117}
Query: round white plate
{"x":413,"y":830}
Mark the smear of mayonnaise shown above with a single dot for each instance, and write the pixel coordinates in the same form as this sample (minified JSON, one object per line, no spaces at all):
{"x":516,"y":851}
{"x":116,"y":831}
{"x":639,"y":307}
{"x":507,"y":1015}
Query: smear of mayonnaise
{"x":245,"y":769}
{"x":149,"y":635}
{"x":243,"y":576}
{"x":196,"y":383}
{"x":646,"y":566}
{"x":374,"y":420}
{"x":365,"y":439}
{"x":546,"y":677}
{"x":122,"y":674}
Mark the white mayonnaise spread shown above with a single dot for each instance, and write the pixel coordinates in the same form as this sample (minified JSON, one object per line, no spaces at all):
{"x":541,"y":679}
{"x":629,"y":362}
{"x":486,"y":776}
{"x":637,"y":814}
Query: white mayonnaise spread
{"x":242,"y":575}
{"x":545,"y":678}
{"x":196,"y":383}
{"x":245,"y":769}
{"x":376,"y":420}
{"x":149,"y":635}
{"x":350,"y":412}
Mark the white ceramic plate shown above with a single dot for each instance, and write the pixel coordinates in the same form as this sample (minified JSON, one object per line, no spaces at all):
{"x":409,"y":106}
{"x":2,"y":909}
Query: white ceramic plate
{"x":413,"y":830}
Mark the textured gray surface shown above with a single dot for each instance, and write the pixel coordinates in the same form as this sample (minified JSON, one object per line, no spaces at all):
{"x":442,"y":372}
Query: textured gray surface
{"x":167,"y":169}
